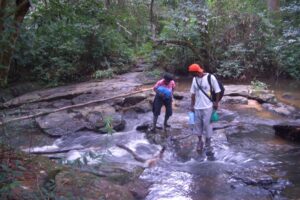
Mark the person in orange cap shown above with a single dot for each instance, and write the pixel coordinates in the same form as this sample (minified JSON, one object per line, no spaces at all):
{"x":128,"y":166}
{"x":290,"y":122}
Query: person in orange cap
{"x":202,"y":104}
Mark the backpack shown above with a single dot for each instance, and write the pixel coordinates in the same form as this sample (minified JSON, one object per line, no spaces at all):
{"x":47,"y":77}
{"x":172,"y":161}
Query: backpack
{"x":165,"y":91}
{"x":212,"y":92}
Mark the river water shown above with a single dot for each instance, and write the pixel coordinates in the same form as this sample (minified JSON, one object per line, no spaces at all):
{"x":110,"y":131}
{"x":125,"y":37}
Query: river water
{"x":249,"y":162}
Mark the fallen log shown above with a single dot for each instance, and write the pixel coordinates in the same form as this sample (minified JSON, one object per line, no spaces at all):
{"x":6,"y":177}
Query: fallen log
{"x":73,"y":106}
{"x":47,"y":98}
{"x":53,"y":152}
{"x":149,"y":162}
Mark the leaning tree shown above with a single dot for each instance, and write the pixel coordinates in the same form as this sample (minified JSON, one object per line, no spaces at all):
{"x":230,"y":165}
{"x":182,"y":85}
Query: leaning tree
{"x":12,"y":14}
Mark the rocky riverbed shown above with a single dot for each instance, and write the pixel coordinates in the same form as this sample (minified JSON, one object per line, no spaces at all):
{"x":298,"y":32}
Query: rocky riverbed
{"x":248,"y":160}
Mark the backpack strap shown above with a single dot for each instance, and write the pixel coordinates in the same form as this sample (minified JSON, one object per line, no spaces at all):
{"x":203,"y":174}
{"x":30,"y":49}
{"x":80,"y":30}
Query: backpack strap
{"x":209,"y":81}
{"x":203,"y":90}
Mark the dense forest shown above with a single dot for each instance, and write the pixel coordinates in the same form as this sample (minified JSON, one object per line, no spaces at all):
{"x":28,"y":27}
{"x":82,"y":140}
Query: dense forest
{"x":61,"y":41}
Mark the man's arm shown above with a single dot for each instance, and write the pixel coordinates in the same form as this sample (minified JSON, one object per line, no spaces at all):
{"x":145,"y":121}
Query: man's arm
{"x":216,"y":87}
{"x":193,"y":97}
{"x":216,"y":103}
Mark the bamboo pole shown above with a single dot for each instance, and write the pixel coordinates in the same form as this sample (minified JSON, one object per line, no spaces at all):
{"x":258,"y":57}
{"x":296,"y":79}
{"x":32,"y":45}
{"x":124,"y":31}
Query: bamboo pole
{"x":73,"y":106}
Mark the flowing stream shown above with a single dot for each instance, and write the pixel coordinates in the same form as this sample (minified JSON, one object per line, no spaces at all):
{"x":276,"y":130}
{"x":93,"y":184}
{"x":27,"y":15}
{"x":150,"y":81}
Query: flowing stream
{"x":249,"y":161}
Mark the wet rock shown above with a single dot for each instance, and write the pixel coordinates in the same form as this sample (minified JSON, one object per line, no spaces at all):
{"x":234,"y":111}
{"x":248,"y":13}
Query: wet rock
{"x":289,"y":96}
{"x":265,"y":95}
{"x":5,"y":96}
{"x":241,"y":89}
{"x":290,"y":131}
{"x":178,"y":96}
{"x":142,"y":107}
{"x":234,"y":100}
{"x":61,"y":123}
{"x":17,"y":90}
{"x":144,"y":127}
{"x":280,"y":109}
{"x":254,"y":178}
{"x":89,"y":118}
{"x":132,"y":100}
{"x":118,"y":122}
{"x":81,"y":92}
{"x":97,"y":118}
{"x":61,"y":103}
{"x":139,"y":188}
{"x":185,"y":146}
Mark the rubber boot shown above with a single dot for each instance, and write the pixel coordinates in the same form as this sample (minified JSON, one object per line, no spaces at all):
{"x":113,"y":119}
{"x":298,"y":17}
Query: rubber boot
{"x":166,"y":125}
{"x":207,"y":142}
{"x":199,"y":145}
{"x":208,"y":149}
{"x":154,"y":124}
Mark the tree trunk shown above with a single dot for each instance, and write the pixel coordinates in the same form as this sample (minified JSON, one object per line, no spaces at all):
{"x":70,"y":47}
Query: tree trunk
{"x":46,"y":3}
{"x":19,"y":11}
{"x":121,"y":3}
{"x":273,"y":5}
{"x":107,"y":4}
{"x":153,"y":31}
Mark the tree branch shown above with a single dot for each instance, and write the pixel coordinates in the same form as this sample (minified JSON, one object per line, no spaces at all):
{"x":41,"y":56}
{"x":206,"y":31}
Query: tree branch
{"x":188,"y":44}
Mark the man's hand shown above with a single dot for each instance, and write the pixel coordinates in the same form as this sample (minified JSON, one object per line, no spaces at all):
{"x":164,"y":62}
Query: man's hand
{"x":192,"y":109}
{"x":193,"y":97}
{"x":216,"y":105}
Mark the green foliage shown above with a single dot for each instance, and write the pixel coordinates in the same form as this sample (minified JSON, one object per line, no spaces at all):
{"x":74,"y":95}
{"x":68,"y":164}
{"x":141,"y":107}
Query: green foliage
{"x":155,"y":73}
{"x":8,"y":179}
{"x":65,"y":42}
{"x":145,"y":49}
{"x":247,"y":39}
{"x":230,"y":69}
{"x":186,"y":22}
{"x":108,"y":125}
{"x":101,"y":74}
{"x":287,"y":46}
{"x":258,"y":85}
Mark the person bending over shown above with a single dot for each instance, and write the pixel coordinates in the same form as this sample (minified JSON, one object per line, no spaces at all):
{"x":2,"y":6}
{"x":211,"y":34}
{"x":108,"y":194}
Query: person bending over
{"x":164,"y":89}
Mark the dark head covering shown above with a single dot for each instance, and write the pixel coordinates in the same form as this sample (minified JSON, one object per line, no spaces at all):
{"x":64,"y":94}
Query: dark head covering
{"x":168,"y":77}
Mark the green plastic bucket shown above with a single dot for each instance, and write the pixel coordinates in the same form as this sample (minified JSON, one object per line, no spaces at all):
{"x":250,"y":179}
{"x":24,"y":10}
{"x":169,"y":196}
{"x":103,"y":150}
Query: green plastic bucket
{"x":214,"y":116}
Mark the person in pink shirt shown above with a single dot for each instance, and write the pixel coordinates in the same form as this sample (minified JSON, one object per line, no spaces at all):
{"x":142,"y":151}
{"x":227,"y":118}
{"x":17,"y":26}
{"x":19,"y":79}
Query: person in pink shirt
{"x":164,"y":89}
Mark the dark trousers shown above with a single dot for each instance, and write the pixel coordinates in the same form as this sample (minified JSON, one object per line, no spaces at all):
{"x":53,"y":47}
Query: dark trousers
{"x":159,"y":102}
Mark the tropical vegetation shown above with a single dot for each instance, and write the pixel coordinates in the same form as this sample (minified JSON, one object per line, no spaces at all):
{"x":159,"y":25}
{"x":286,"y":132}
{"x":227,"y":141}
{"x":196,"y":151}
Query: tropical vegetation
{"x":60,"y":41}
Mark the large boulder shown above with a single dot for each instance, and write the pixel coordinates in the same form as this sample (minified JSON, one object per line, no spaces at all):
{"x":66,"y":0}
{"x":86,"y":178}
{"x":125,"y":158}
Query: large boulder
{"x":264,"y":95}
{"x":234,"y":100}
{"x":289,"y":131}
{"x":280,"y":108}
{"x":98,"y":119}
{"x":139,"y":188}
{"x":133,"y":100}
{"x":289,"y":96}
{"x":241,"y":89}
{"x":61,"y":123}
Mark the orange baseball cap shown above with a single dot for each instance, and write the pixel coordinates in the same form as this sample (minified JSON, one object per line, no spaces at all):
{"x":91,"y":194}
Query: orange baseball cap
{"x":195,"y":68}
